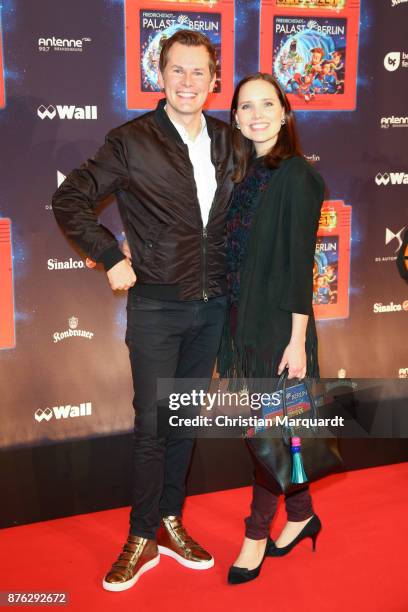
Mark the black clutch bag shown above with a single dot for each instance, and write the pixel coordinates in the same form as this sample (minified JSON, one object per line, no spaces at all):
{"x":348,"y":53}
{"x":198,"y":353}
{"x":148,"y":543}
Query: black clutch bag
{"x":285,"y":462}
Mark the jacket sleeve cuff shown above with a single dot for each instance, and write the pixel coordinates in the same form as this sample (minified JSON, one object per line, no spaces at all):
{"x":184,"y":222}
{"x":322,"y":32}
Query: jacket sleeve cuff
{"x":111,"y":257}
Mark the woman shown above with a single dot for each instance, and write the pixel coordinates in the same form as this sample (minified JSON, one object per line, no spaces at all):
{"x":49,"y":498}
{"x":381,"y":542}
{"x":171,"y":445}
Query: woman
{"x":271,"y":230}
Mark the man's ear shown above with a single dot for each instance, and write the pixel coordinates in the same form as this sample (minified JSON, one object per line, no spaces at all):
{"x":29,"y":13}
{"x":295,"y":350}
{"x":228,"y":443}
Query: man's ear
{"x":160,"y":80}
{"x":212,"y":83}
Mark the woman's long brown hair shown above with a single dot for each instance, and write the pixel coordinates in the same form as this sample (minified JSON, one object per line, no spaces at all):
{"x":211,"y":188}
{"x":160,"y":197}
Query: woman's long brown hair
{"x":287,"y":143}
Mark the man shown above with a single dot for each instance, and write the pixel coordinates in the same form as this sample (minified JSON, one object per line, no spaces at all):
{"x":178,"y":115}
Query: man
{"x":171,"y":172}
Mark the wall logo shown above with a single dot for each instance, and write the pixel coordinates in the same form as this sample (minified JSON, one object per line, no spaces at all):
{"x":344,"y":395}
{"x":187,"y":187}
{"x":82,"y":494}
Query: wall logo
{"x":62,"y":44}
{"x":395,"y":59}
{"x":66,"y":111}
{"x":403,"y":373}
{"x":72,"y":332}
{"x":395,"y":178}
{"x":379,"y":307}
{"x":63,"y":412}
{"x":392,"y":121}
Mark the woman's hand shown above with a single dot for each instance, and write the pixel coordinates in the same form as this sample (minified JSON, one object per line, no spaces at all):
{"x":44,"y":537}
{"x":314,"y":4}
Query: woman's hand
{"x":294,"y":358}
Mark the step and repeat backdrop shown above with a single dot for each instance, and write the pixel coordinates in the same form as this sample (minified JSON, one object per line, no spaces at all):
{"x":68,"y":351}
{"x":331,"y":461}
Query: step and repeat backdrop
{"x":70,"y":71}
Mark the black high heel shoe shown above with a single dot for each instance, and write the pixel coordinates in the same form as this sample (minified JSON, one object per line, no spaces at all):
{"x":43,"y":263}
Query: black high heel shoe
{"x":310,"y":530}
{"x":238,"y":575}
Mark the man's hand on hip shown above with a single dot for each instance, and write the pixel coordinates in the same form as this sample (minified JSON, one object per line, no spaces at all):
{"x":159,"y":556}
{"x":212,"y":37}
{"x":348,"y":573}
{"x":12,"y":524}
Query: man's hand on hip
{"x":121,"y":276}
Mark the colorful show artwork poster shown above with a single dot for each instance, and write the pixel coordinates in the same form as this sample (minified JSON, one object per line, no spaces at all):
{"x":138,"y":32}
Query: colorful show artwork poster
{"x":331,"y":270}
{"x":148,"y":24}
{"x":2,"y":84}
{"x":312,"y":53}
{"x":7,"y":331}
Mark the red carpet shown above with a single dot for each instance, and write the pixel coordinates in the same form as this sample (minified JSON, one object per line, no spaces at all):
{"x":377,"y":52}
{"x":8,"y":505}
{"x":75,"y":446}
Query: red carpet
{"x":360,"y":563}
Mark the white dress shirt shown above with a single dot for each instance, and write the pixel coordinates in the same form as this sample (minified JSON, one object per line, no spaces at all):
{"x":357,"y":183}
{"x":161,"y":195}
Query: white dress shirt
{"x":199,"y":151}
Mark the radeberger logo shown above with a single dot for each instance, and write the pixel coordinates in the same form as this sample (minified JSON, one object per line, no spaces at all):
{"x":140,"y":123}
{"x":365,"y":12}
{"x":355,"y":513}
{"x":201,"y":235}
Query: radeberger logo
{"x":63,"y":412}
{"x":379,"y":307}
{"x":72,"y":332}
{"x":65,"y":111}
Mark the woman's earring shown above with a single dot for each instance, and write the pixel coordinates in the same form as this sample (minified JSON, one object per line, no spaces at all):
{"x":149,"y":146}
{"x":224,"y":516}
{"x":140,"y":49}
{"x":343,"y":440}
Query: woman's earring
{"x":283,"y":121}
{"x":237,"y":126}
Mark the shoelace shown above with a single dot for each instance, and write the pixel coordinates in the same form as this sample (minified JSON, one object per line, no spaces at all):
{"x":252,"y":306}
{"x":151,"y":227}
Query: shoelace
{"x":128,"y":553}
{"x":184,"y":538}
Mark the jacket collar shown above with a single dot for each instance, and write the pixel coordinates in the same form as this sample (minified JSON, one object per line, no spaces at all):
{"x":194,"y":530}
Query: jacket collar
{"x":167,"y":126}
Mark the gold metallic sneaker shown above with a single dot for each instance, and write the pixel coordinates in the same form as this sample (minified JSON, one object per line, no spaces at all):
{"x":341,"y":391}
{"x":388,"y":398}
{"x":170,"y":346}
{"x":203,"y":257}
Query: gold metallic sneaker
{"x":137,"y":557}
{"x":174,"y":541}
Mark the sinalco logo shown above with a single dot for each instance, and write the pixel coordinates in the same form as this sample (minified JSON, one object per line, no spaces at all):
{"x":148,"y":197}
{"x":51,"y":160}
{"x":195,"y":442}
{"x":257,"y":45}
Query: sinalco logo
{"x":380,"y":308}
{"x":393,"y":178}
{"x":63,"y":412}
{"x":395,"y":59}
{"x":67,"y":111}
{"x":72,"y":332}
{"x":62,"y":44}
{"x":393,"y":121}
{"x":69,"y":264}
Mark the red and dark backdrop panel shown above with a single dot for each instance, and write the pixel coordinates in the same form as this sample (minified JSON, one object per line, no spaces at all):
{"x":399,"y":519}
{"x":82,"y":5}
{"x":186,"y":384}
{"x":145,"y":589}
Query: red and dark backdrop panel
{"x":71,"y":71}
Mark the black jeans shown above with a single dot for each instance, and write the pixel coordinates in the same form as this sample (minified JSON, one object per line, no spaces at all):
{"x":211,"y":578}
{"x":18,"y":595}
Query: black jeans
{"x":166,"y":339}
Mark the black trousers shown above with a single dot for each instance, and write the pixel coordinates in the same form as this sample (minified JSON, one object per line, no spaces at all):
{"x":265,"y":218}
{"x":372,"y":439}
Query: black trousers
{"x":166,"y":339}
{"x":263,"y":507}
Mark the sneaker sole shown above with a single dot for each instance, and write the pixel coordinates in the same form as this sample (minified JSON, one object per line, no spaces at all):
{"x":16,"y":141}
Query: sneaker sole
{"x":122,"y":586}
{"x":196,"y":565}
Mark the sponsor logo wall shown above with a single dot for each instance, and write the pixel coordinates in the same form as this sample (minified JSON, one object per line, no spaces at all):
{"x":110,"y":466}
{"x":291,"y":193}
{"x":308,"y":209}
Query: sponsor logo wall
{"x":391,"y":178}
{"x":395,"y":60}
{"x":64,"y":370}
{"x":65,"y":111}
{"x":53,"y":43}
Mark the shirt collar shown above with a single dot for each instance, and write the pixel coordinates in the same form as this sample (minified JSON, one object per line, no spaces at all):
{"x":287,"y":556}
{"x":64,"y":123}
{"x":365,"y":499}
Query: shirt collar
{"x":183,"y":132}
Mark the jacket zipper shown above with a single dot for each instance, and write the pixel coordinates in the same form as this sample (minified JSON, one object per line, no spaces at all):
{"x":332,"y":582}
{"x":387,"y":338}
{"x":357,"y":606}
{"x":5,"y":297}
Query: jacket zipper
{"x":204,"y":232}
{"x":204,"y":235}
{"x":204,"y":275}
